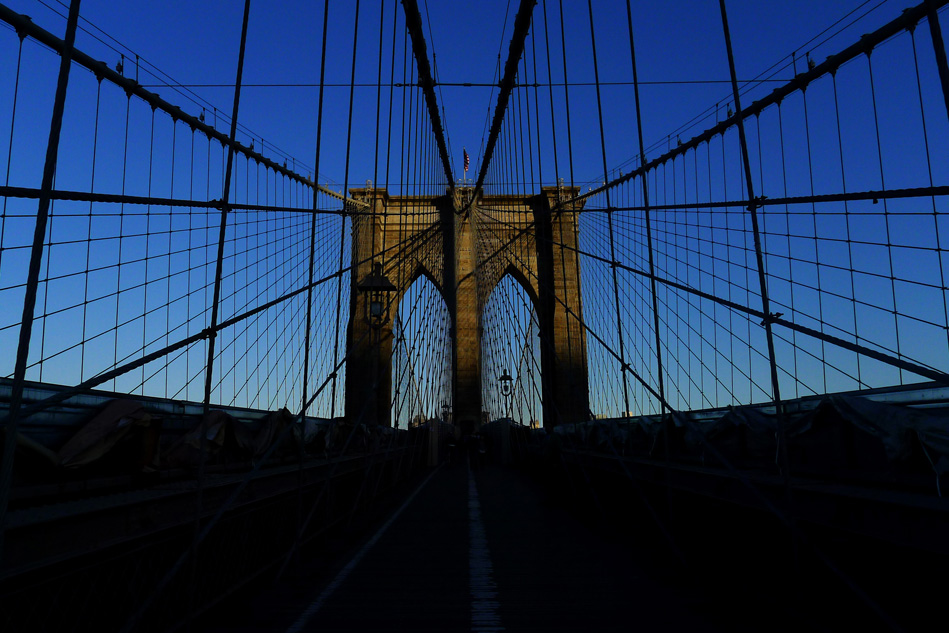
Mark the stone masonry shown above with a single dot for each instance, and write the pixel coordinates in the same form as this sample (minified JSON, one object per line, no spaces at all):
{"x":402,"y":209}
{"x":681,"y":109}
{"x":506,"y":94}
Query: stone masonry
{"x":465,"y":254}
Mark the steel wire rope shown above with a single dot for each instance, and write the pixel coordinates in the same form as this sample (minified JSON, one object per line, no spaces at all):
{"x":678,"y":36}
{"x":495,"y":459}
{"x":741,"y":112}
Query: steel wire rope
{"x":416,"y":326}
{"x":118,"y":371}
{"x":524,"y":332}
{"x":371,"y":195}
{"x":787,"y":221}
{"x":35,"y":265}
{"x":284,"y":308}
{"x":674,"y":548}
{"x":533,"y":53}
{"x":9,"y":161}
{"x":342,"y":233}
{"x":923,"y":370}
{"x":896,"y":27}
{"x":817,"y":263}
{"x":312,"y":255}
{"x":118,"y":282}
{"x":732,"y":394}
{"x":431,"y":348}
{"x":497,"y":78}
{"x":411,"y":317}
{"x":929,"y":170}
{"x":596,"y":72}
{"x":92,"y":183}
{"x":780,"y":304}
{"x":215,"y":306}
{"x":760,"y":78}
{"x":183,"y":89}
{"x":718,"y":455}
{"x":188,"y":320}
{"x":132,"y":622}
{"x":148,"y":233}
{"x":843,"y":184}
{"x":132,"y":319}
{"x":168,"y":300}
{"x":431,"y":38}
{"x":886,"y":212}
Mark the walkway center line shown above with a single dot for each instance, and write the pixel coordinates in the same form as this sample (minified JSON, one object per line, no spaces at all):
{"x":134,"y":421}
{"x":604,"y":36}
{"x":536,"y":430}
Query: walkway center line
{"x":484,"y":591}
{"x":340,"y":578}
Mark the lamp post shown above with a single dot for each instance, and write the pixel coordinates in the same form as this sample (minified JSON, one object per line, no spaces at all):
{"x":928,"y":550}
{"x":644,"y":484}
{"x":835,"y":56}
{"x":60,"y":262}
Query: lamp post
{"x":506,"y":383}
{"x":376,"y":287}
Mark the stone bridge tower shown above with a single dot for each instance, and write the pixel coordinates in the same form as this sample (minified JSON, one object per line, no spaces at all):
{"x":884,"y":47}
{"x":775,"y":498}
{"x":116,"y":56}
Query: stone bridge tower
{"x":465,"y":254}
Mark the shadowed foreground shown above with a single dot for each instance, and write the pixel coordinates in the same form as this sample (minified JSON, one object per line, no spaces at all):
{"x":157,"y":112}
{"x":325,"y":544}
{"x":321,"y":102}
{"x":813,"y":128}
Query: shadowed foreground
{"x":538,"y":569}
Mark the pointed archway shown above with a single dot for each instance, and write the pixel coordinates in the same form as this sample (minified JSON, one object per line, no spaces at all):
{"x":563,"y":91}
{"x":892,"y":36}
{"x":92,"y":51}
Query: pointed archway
{"x":464,"y":243}
{"x":511,"y":346}
{"x":421,"y":353}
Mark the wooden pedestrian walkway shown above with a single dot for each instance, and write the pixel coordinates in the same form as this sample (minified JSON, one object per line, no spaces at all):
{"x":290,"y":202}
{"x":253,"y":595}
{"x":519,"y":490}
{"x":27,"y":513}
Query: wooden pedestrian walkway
{"x":486,"y":550}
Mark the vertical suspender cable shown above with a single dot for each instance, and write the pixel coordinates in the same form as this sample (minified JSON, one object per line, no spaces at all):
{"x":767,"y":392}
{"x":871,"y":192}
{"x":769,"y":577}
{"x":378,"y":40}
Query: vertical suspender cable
{"x":309,"y":292}
{"x":148,"y":232}
{"x":645,"y":184}
{"x":609,"y":218}
{"x":36,"y":261}
{"x":342,"y":219}
{"x":212,"y":333}
{"x":566,"y":92}
{"x":92,"y":184}
{"x":929,"y":169}
{"x":759,"y":256}
{"x":118,"y":267}
{"x":886,"y":214}
{"x":16,"y":92}
{"x":652,"y":266}
{"x":316,"y":171}
{"x":566,"y":96}
{"x":550,"y":93}
{"x":395,"y":9}
{"x":521,"y":27}
{"x":168,"y":275}
{"x":375,"y":170}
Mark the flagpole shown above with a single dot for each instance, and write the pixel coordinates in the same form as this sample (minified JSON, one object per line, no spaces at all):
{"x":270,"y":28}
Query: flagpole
{"x":465,"y":172}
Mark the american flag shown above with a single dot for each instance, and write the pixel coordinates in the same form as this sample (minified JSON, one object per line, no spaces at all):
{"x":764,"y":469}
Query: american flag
{"x":466,"y":159}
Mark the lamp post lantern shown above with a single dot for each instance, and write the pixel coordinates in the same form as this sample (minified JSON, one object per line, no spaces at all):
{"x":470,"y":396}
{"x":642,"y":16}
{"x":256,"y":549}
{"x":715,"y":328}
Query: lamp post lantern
{"x":506,"y":383}
{"x":376,"y":287}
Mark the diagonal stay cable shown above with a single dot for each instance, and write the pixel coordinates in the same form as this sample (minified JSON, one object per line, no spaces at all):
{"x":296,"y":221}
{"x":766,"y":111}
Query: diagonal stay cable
{"x":23,"y":24}
{"x":522,"y":24}
{"x":104,"y":377}
{"x":928,"y":372}
{"x":742,"y":478}
{"x":413,"y":22}
{"x":906,"y":21}
{"x":136,"y":617}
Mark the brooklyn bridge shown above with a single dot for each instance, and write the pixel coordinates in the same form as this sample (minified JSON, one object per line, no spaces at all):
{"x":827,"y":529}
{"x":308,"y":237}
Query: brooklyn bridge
{"x":329,"y":316}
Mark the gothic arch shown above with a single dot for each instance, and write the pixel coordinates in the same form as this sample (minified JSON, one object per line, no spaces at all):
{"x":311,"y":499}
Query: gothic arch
{"x":419,"y":340}
{"x":420,"y":271}
{"x":455,"y":234}
{"x":523,"y":281}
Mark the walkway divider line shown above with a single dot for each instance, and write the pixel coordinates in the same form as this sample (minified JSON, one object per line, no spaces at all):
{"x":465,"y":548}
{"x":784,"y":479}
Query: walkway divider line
{"x":484,"y":591}
{"x":340,"y":578}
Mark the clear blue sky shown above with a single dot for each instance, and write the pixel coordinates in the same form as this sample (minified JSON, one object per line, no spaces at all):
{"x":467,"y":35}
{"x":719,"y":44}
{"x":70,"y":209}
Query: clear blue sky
{"x":683,"y":69}
{"x":197,"y":43}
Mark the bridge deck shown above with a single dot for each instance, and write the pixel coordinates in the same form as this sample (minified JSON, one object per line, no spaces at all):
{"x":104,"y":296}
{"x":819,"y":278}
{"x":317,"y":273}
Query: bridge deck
{"x":538,"y":568}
